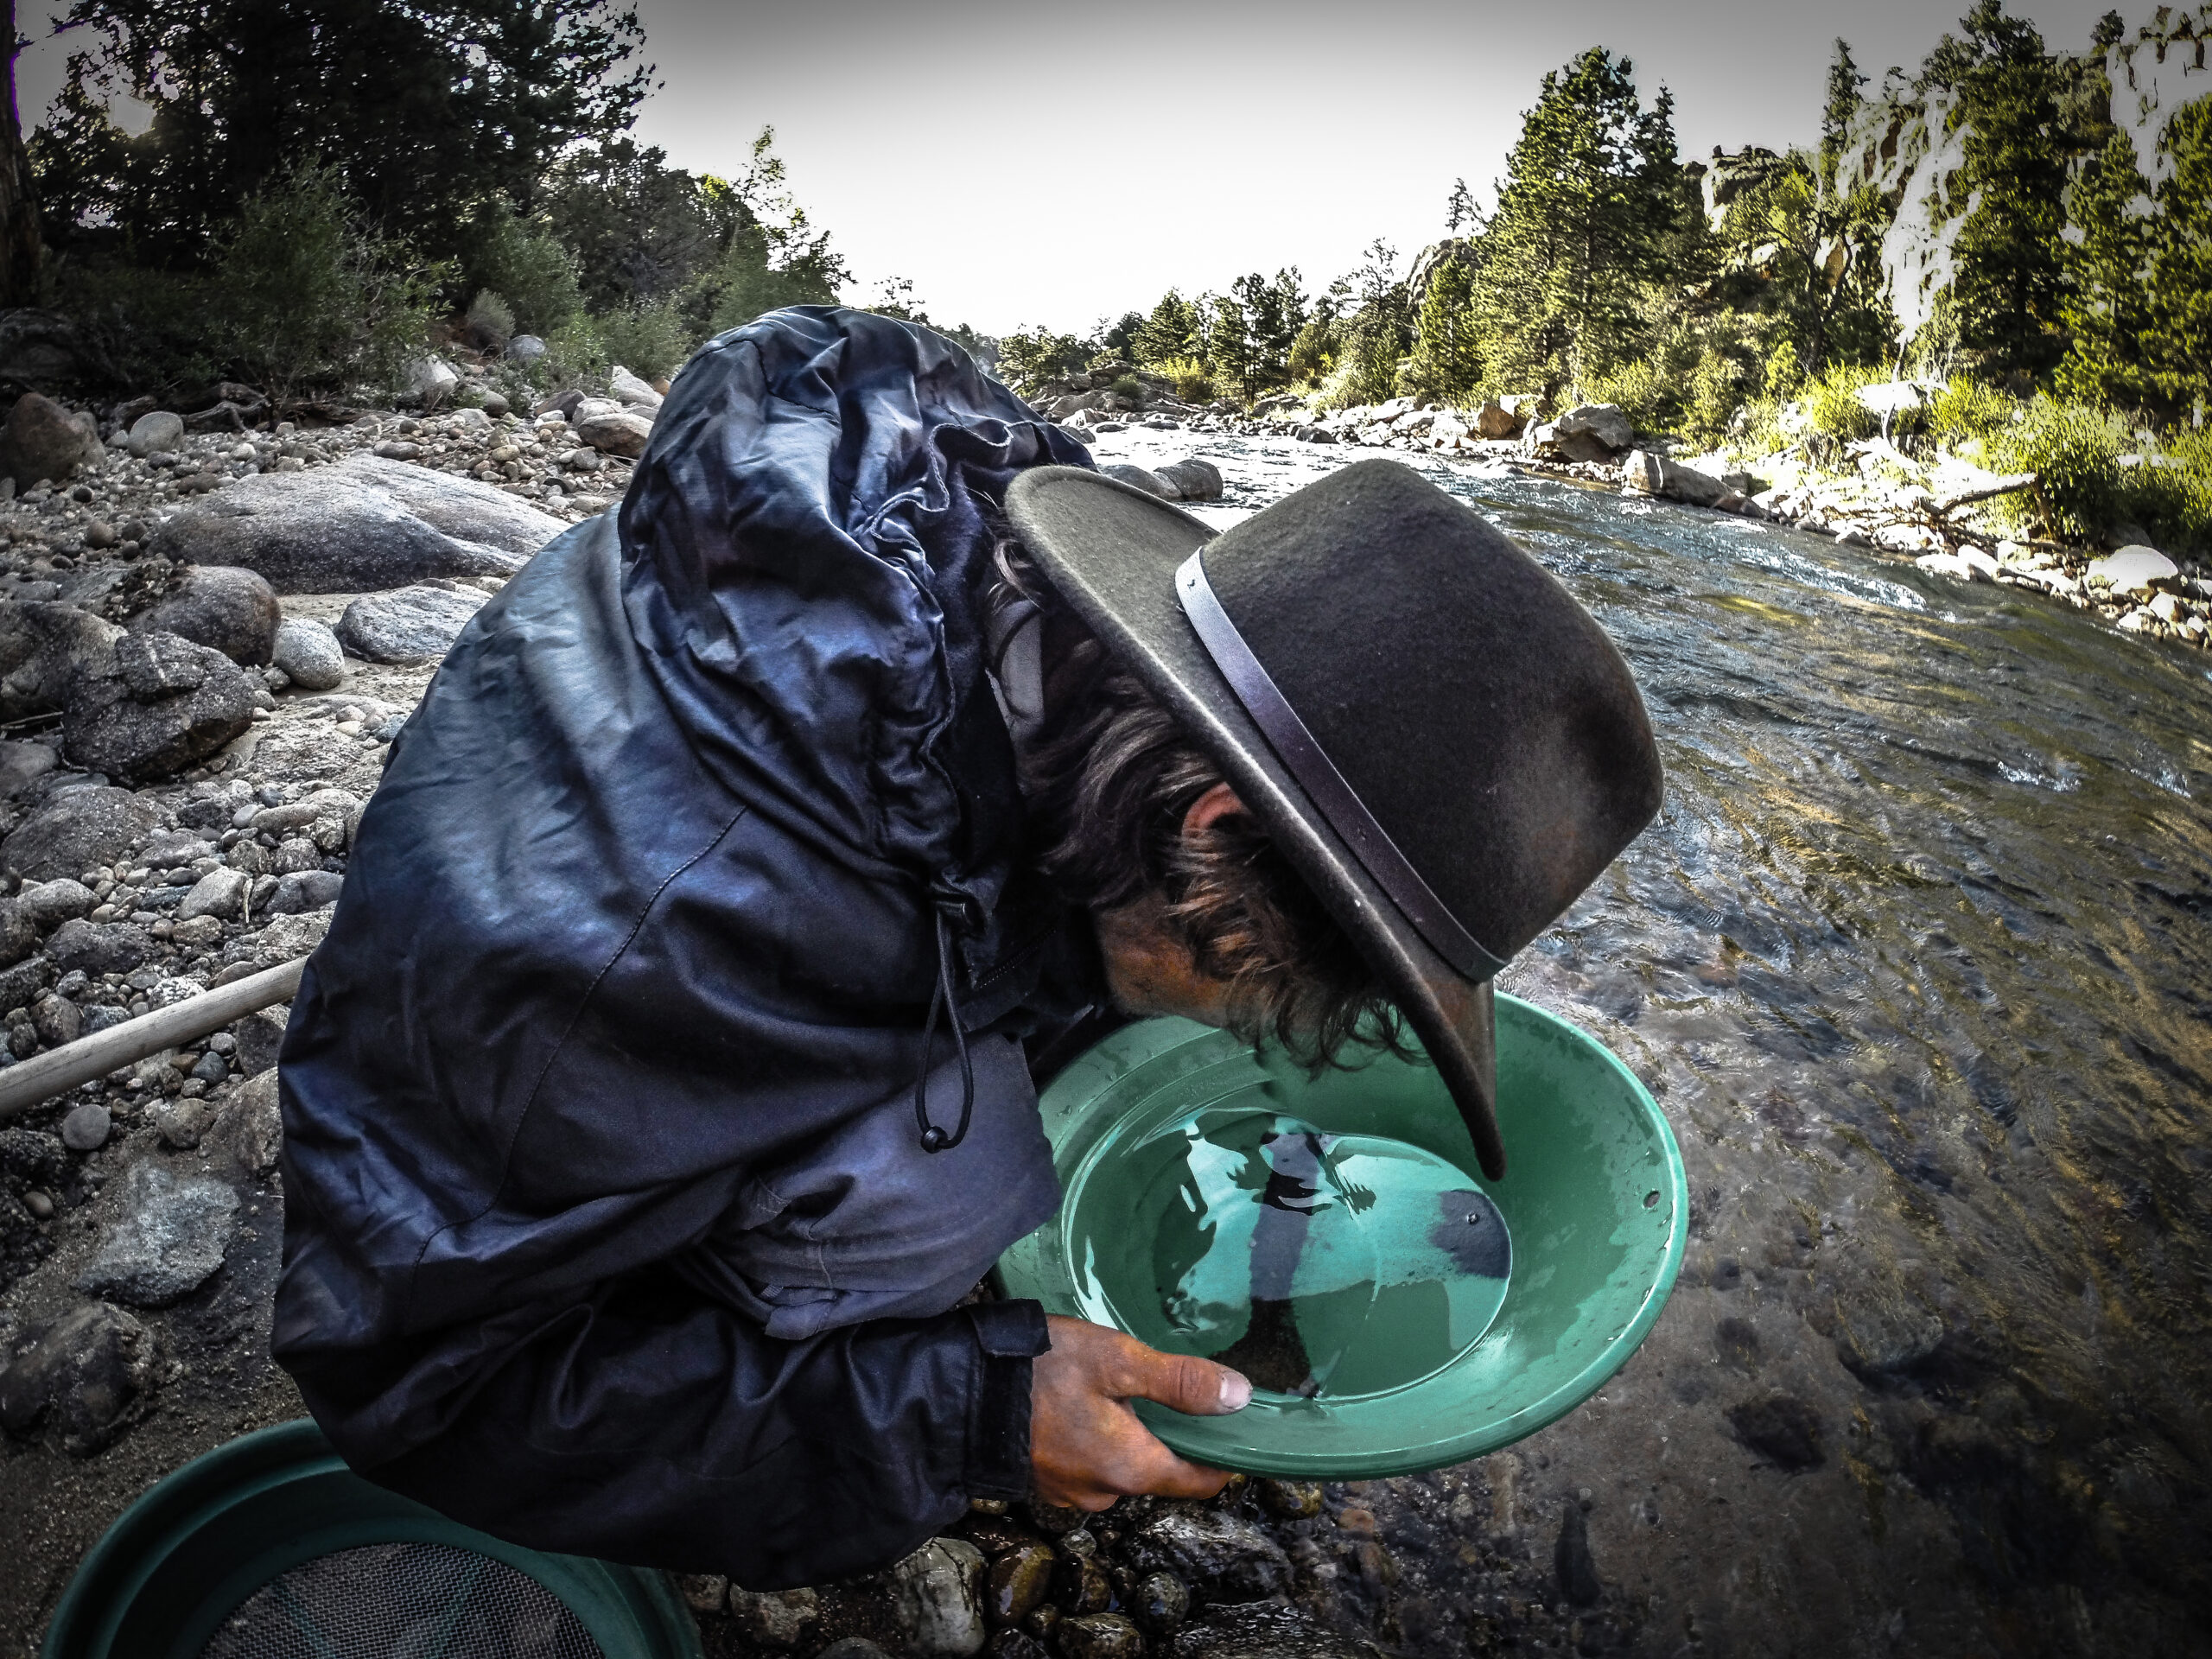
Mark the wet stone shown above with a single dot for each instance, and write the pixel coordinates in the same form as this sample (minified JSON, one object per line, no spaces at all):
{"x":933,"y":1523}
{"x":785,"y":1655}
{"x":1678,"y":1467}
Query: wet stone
{"x":1160,"y":1602}
{"x":1053,"y":1519}
{"x":777,"y":1618}
{"x":1292,"y":1500}
{"x":702,"y":1592}
{"x":853,"y":1647}
{"x":1222,"y":1557}
{"x":1100,"y":1636}
{"x":1015,"y":1645}
{"x":1019,"y":1580}
{"x":1080,"y":1585}
{"x":938,"y":1597}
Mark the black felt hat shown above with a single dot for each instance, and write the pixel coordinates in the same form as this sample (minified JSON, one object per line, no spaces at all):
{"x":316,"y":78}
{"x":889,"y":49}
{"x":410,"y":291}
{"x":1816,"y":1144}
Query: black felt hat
{"x":1445,"y":745}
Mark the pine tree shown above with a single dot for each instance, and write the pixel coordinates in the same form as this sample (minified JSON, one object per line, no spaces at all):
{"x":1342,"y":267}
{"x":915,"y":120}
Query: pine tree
{"x":1459,"y":209}
{"x":2009,"y":284}
{"x":1840,"y":110}
{"x":1447,"y":361}
{"x":2106,"y":308}
{"x":2177,"y":340}
{"x":1173,"y":329}
{"x":1593,"y":192}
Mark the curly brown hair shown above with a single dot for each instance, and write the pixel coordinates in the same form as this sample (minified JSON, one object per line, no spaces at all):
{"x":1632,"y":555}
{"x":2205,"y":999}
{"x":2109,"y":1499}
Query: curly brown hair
{"x":1111,"y":775}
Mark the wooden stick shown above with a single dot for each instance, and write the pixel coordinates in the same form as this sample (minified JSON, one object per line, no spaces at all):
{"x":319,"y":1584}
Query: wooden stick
{"x":2003,"y":486}
{"x":24,"y":1085}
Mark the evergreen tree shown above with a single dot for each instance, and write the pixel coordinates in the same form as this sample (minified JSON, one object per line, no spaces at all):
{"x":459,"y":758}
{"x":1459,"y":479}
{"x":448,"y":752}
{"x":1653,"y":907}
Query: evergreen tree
{"x":2178,"y":341}
{"x":1173,"y":329}
{"x":1840,"y":110}
{"x":1459,"y":209}
{"x":1230,"y":359}
{"x":1447,"y":362}
{"x":1591,"y":195}
{"x":422,"y":107}
{"x":1274,"y":312}
{"x":2010,"y":283}
{"x":2108,"y":306}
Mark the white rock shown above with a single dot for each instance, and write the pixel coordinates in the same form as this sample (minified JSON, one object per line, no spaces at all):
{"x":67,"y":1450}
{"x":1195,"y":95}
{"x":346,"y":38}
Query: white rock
{"x":431,"y":378}
{"x":219,"y":892}
{"x":1888,"y":398}
{"x":2136,"y":569}
{"x":309,"y":654}
{"x":156,"y":429}
{"x":629,"y":389}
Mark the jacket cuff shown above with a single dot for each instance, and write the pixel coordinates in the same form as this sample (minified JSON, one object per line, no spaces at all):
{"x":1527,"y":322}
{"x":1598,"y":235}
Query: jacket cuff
{"x":1010,"y":1335}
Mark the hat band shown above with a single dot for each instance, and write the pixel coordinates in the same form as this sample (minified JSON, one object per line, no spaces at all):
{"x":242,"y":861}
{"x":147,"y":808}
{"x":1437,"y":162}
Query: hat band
{"x":1307,"y":762}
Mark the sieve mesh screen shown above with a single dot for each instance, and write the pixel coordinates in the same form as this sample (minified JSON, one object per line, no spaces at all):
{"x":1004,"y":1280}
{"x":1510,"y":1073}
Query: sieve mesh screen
{"x":403,"y":1601}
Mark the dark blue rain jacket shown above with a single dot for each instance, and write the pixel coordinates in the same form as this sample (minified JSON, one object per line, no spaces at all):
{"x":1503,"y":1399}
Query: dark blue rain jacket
{"x":606,"y":1228}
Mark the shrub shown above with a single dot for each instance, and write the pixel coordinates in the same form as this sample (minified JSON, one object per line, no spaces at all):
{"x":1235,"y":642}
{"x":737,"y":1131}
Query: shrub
{"x":1832,"y":406}
{"x":490,"y":321}
{"x":521,"y":260}
{"x":1130,"y":387}
{"x":1188,"y":376}
{"x":1966,"y":411}
{"x":311,"y":295}
{"x":2075,"y":451}
{"x":1645,"y":390}
{"x":1784,"y":373}
{"x":648,"y":339}
{"x":1313,"y":353}
{"x":2169,"y":494}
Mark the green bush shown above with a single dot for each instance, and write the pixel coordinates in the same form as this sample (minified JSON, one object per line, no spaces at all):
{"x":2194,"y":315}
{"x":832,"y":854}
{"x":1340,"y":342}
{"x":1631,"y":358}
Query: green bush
{"x":1130,"y":387}
{"x":2169,"y":494}
{"x":650,"y":339}
{"x":1966,"y":411}
{"x":490,"y":321}
{"x":523,"y":262}
{"x":1189,"y":378}
{"x":1832,"y":406}
{"x":2075,"y":451}
{"x":311,"y":296}
{"x":152,"y":329}
{"x":1646,"y":390}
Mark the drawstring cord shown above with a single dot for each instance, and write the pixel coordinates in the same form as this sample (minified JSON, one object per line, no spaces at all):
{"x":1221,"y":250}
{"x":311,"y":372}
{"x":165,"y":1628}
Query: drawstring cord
{"x":934,"y":1139}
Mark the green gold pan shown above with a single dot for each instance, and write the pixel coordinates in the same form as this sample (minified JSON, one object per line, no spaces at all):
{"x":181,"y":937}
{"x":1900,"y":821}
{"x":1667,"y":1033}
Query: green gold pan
{"x":1595,"y":1205}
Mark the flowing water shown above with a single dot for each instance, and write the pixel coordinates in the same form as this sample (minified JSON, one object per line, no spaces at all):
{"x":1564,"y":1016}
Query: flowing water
{"x":1916,"y":961}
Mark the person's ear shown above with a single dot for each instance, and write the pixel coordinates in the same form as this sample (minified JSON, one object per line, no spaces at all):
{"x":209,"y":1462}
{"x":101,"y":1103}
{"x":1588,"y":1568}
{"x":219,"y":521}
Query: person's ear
{"x":1216,"y":802}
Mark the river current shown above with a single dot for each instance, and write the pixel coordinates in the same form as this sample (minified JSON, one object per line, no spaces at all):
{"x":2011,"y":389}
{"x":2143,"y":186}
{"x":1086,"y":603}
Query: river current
{"x":1917,"y":960}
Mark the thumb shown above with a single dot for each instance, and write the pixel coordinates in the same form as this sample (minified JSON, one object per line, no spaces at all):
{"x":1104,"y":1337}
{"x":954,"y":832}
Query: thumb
{"x":1186,"y":1383}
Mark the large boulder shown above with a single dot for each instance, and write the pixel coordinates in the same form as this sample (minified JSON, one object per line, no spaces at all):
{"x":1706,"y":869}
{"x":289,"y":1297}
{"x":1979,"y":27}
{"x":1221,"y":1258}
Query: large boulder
{"x":2136,"y":569}
{"x":98,"y":948}
{"x":615,"y":431}
{"x":221,"y":606}
{"x":46,"y":647}
{"x":168,"y":704}
{"x":74,"y":830}
{"x":43,"y":440}
{"x":413,"y":625}
{"x":1646,"y":473}
{"x":365,"y":525}
{"x":1494,"y":420}
{"x":1592,"y":432}
{"x":629,"y":389}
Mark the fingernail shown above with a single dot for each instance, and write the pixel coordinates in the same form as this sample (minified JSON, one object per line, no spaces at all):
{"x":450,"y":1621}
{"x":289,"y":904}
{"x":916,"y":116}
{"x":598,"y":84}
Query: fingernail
{"x":1236,"y":1392}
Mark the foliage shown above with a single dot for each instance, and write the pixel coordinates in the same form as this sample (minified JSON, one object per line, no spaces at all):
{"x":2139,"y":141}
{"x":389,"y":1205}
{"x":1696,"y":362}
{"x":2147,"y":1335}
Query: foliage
{"x":2075,"y":451}
{"x":1832,"y":406}
{"x":421,"y":107}
{"x":1808,"y":256}
{"x":1313,"y":353}
{"x":523,"y":261}
{"x":637,"y":229}
{"x":1447,"y":360}
{"x":1172,"y":328}
{"x":1192,"y":383}
{"x":310,"y":294}
{"x":2171,"y":494}
{"x":1030,"y":357}
{"x":1964,"y":411}
{"x":649,"y":339}
{"x":1592,"y":194}
{"x":2010,"y":276}
{"x":1130,"y":387}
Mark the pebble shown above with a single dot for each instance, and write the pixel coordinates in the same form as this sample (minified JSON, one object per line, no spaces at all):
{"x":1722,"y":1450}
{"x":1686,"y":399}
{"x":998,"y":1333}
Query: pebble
{"x":1019,"y":1582}
{"x":1161,"y":1602}
{"x":86,"y":1128}
{"x":1100,"y":1636}
{"x":936,"y":1595}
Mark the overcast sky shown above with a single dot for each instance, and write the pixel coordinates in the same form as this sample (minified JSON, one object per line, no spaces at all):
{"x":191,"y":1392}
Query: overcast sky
{"x":1047,"y":162}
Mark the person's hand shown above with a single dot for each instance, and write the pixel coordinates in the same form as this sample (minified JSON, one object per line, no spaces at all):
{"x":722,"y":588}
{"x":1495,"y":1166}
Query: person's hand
{"x":1084,"y":1439}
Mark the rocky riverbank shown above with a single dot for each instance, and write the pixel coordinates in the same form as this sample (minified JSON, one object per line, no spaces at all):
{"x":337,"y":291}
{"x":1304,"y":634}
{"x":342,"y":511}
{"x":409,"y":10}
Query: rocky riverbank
{"x":1938,"y":510}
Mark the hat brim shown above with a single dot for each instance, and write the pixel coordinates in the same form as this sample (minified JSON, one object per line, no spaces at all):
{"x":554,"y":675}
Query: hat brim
{"x":1111,"y":552}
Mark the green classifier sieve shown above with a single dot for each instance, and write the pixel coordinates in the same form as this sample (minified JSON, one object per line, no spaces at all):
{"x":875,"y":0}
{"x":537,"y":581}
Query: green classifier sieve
{"x":269,"y":1548}
{"x":1332,"y":1238}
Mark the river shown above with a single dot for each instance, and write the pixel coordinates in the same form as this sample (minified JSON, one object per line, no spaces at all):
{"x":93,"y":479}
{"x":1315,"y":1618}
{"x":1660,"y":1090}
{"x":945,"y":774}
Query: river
{"x":1917,"y":962}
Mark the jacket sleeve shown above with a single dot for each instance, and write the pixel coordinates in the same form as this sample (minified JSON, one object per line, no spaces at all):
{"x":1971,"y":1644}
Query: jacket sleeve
{"x":650,"y":1425}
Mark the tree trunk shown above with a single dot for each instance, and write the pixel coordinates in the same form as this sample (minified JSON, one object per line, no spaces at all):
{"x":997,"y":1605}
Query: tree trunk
{"x":21,"y":250}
